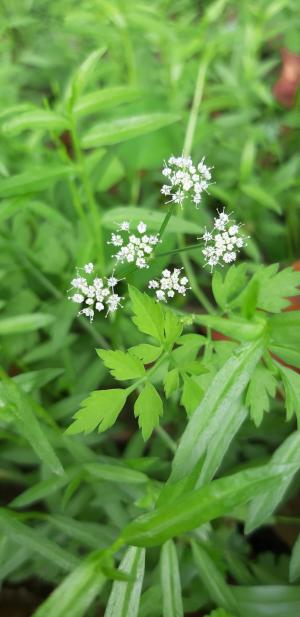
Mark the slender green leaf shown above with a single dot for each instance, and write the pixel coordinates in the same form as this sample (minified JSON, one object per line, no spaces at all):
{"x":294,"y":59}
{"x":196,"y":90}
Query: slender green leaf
{"x":224,"y":391}
{"x":116,"y":473}
{"x":152,"y":218}
{"x":35,"y":541}
{"x":295,"y":561}
{"x":36,"y":119}
{"x":103,"y":99}
{"x":124,"y":599}
{"x":202,"y":505}
{"x":121,"y":129}
{"x":170,"y":581}
{"x":213,"y":580}
{"x":264,"y":505}
{"x":34,"y":181}
{"x":24,"y":323}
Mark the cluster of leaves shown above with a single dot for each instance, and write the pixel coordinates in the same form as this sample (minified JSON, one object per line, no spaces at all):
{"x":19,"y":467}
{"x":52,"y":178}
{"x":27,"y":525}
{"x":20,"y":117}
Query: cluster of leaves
{"x":84,"y":130}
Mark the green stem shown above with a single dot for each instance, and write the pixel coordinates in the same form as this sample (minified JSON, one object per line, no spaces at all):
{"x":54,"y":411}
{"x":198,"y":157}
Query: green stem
{"x":189,"y":247}
{"x":165,"y":437}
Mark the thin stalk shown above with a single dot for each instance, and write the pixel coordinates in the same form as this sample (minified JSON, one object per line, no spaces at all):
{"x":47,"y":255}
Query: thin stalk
{"x":165,"y":437}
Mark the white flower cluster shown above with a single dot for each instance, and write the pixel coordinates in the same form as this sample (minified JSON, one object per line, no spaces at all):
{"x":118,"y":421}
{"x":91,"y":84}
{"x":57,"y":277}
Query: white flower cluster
{"x":185,"y":179}
{"x":133,"y":248}
{"x":223,"y":243}
{"x":168,"y":284}
{"x":94,"y":295}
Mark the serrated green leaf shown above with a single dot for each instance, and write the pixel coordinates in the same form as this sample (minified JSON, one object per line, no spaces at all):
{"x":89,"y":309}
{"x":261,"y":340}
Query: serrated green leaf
{"x":146,"y":353}
{"x":171,"y":382}
{"x":263,"y":506}
{"x":148,"y":408}
{"x":262,"y":386}
{"x":148,"y":314}
{"x":202,"y":505}
{"x":276,"y":288}
{"x":219,"y":592}
{"x":192,"y":394}
{"x":121,"y":129}
{"x":172,"y":327}
{"x":124,"y":599}
{"x":101,"y":408}
{"x":170,"y":581}
{"x":291,"y":382}
{"x":122,"y":365}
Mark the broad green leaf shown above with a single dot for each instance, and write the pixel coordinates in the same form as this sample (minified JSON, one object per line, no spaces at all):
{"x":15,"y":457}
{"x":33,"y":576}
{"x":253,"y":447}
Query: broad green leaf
{"x":104,"y":99}
{"x":192,"y":394}
{"x":28,"y":425}
{"x":171,"y":382}
{"x":173,"y":327}
{"x":295,"y":561}
{"x":225,"y":390}
{"x":116,"y":473}
{"x":33,"y":120}
{"x":76,"y":593}
{"x":124,"y":599}
{"x":148,"y":408}
{"x":219,"y":592}
{"x":121,"y":129}
{"x":146,"y":353}
{"x":35,"y":541}
{"x":261,"y":196}
{"x":101,"y":408}
{"x":263,"y":506}
{"x":170,"y":581}
{"x":34,"y":181}
{"x":122,"y":365}
{"x":276,"y":288}
{"x":200,"y":506}
{"x":152,"y":218}
{"x":227,"y":287}
{"x":262,"y":386}
{"x":148,"y":314}
{"x":24,"y":323}
{"x":291,"y":382}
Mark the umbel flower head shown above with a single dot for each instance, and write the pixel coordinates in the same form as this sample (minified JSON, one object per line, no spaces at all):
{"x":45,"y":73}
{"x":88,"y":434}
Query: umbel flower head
{"x":94,"y":295}
{"x":185,"y":180}
{"x":223,"y":242}
{"x":169,"y":284}
{"x":134,"y":248}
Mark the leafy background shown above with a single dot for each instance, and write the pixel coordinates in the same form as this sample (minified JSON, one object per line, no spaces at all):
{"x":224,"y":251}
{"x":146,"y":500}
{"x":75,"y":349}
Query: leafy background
{"x":94,"y":96}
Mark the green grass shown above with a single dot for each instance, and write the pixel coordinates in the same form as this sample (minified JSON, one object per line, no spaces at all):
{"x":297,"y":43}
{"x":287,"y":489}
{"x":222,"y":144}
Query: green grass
{"x":202,"y":436}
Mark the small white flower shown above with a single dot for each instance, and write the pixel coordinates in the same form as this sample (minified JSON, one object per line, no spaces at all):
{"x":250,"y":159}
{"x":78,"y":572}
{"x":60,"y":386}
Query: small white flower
{"x":124,"y":226}
{"x":169,"y":283}
{"x":136,"y":247}
{"x":222,"y":242}
{"x":94,"y":293}
{"x":185,"y":180}
{"x":88,"y":268}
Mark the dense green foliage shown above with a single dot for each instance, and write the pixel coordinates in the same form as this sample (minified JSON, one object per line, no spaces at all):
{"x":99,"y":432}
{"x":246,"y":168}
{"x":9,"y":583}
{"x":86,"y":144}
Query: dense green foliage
{"x":141,"y":453}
